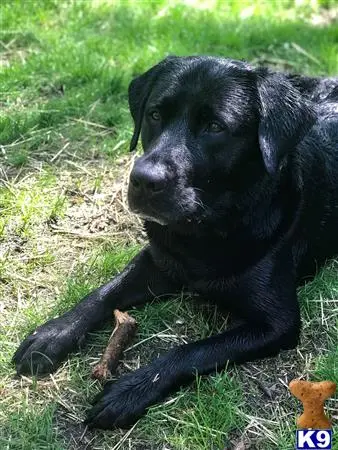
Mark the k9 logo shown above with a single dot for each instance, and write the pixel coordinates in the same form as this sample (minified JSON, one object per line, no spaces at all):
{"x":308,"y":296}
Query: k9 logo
{"x":313,"y":439}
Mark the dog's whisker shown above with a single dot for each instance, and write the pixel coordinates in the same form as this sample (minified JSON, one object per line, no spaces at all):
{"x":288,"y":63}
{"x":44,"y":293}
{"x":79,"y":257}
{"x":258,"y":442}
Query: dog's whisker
{"x":273,"y":162}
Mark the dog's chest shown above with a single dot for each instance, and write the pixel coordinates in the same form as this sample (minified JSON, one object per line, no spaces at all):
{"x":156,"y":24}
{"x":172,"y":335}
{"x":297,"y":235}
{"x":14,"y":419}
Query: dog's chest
{"x":196,"y":260}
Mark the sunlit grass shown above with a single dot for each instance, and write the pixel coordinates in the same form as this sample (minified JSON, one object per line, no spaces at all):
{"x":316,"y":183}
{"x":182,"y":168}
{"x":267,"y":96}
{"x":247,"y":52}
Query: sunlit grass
{"x":64,"y":120}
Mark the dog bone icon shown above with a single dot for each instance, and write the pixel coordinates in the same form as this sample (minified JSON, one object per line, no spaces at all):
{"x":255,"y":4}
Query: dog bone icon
{"x":313,"y":396}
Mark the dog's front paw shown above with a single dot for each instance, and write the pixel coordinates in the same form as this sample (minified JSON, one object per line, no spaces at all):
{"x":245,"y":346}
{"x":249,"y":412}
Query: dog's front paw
{"x":123,"y":402}
{"x":43,"y":351}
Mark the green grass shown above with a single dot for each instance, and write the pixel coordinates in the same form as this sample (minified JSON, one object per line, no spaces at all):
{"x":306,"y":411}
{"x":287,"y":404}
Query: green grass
{"x":327,"y":365}
{"x":200,"y":417}
{"x":64,"y":226}
{"x":30,"y":428}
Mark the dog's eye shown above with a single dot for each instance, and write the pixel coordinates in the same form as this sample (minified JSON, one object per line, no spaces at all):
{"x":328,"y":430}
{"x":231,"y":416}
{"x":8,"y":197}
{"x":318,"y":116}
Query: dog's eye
{"x":214,"y":127}
{"x":155,"y":115}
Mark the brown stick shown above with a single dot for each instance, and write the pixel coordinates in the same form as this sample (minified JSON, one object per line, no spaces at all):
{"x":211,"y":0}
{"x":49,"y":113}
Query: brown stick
{"x":120,"y":338}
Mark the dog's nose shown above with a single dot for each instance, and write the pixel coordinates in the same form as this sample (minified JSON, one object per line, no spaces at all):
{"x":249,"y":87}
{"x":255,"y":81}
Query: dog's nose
{"x":148,"y":178}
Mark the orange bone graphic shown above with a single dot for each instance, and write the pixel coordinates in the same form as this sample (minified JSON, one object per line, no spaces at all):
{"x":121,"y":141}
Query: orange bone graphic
{"x":313,"y":396}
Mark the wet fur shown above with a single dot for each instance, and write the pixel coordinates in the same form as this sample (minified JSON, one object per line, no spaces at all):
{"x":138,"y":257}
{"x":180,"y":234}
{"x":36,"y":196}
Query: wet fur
{"x":246,"y":216}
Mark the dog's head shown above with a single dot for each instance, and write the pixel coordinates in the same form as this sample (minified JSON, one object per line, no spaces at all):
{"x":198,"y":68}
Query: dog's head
{"x":209,"y":127}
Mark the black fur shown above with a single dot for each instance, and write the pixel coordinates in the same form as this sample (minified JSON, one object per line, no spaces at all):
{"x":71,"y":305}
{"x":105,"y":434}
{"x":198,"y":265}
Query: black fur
{"x":238,"y":187}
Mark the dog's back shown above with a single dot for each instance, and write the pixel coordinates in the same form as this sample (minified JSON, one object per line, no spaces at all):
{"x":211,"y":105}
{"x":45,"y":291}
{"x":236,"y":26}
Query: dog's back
{"x":318,"y":231}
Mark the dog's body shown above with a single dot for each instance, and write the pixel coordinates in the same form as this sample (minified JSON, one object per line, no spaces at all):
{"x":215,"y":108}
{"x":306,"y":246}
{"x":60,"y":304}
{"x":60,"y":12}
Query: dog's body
{"x":239,"y":190}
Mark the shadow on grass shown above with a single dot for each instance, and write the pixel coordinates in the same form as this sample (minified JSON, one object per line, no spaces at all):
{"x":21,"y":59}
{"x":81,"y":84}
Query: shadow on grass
{"x":79,"y":68}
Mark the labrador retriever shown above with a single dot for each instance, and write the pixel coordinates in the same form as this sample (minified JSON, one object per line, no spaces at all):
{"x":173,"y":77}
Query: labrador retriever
{"x":238,"y":189}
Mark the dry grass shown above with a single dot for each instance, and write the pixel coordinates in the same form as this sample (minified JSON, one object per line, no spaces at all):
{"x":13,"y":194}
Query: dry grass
{"x":37,"y":268}
{"x":65,"y":227}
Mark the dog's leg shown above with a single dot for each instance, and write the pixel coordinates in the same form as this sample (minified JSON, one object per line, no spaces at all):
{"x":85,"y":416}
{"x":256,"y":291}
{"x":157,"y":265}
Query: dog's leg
{"x":49,"y":344}
{"x":123,"y":402}
{"x":267,"y":297}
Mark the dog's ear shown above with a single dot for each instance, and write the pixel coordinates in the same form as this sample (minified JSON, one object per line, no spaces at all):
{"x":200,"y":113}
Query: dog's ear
{"x":138,"y":94}
{"x":284,"y":118}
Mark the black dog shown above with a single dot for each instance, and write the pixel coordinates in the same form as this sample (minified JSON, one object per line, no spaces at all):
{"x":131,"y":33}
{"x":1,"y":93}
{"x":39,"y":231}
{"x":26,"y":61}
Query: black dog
{"x":238,"y":187}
